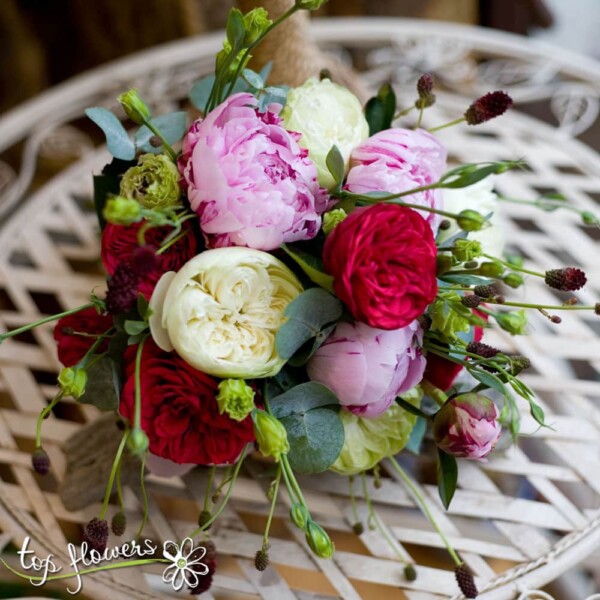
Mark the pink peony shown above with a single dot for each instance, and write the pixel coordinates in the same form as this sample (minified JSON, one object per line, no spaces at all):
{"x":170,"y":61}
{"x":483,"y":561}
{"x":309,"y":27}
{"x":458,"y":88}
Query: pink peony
{"x":397,"y":160}
{"x":466,"y":426}
{"x":248,"y":179}
{"x":367,"y":368}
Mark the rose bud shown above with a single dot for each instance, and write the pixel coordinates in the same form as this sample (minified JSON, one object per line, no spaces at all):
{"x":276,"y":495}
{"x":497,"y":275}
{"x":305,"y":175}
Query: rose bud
{"x":271,"y":435}
{"x":466,"y":427}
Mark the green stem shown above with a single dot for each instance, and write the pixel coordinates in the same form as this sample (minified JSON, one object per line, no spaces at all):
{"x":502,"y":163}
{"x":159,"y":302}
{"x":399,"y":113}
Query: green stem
{"x":353,"y":499}
{"x":42,"y":416}
{"x":113,"y":472}
{"x":35,"y":324}
{"x":172,"y":154}
{"x":542,"y":306}
{"x":404,"y":112}
{"x":144,"y":498}
{"x":173,"y":241}
{"x":84,"y":363}
{"x":514,"y":267}
{"x":120,"y":488}
{"x":221,"y":508}
{"x":445,"y":125}
{"x":420,"y":117}
{"x":209,"y":486}
{"x":137,"y":417}
{"x":272,"y":508}
{"x":434,"y":392}
{"x":292,"y":479}
{"x":424,"y":508}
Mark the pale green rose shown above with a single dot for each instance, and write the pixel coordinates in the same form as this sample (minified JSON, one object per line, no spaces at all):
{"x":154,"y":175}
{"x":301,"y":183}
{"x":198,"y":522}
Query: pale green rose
{"x":153,"y":182}
{"x":221,"y":311}
{"x":326,"y":114}
{"x":368,"y":441}
{"x":332,"y":219}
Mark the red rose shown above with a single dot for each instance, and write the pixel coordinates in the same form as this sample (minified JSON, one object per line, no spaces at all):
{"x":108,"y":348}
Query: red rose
{"x":119,"y":244}
{"x":71,"y":348}
{"x":180,"y":414}
{"x":383,"y":260}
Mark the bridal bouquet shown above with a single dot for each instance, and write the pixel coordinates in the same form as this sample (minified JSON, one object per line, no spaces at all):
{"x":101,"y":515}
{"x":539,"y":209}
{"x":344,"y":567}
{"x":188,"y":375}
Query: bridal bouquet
{"x":292,"y":273}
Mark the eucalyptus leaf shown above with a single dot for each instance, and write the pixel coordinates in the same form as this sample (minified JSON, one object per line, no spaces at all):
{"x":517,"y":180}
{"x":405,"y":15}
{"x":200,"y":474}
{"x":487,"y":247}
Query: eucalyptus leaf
{"x":266,"y":71}
{"x":303,"y":398}
{"x":100,"y":390}
{"x":466,"y":279}
{"x":416,"y":436}
{"x":253,"y":79}
{"x":200,"y":93}
{"x":117,"y":138}
{"x":272,"y":95}
{"x":312,"y":267}
{"x":447,"y":473}
{"x":316,"y":440}
{"x":172,"y":126}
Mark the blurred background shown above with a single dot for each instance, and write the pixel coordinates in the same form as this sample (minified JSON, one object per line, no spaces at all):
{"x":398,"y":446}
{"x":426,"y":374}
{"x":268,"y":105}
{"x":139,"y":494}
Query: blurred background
{"x":43,"y":42}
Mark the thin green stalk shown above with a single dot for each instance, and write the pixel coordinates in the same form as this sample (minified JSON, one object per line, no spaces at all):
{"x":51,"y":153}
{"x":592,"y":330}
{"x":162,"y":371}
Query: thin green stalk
{"x":144,"y":498}
{"x":420,"y":117}
{"x":445,"y":125}
{"x":137,"y":417}
{"x":542,"y":306}
{"x":120,"y":488}
{"x":221,"y":508}
{"x":173,"y":241}
{"x":209,"y":486}
{"x":514,"y":267}
{"x":272,"y":508}
{"x":113,"y":472}
{"x":42,"y":416}
{"x":292,"y":479}
{"x":353,"y":499}
{"x":404,"y":112}
{"x":24,"y":328}
{"x":424,"y":508}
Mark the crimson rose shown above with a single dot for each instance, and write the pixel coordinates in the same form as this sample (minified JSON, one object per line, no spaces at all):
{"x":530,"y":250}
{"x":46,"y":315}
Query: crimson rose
{"x":119,"y":244}
{"x":180,"y":414}
{"x":383,"y":260}
{"x":71,"y":347}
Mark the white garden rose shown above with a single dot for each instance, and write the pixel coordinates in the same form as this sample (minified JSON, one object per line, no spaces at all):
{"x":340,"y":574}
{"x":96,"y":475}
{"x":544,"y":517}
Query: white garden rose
{"x":325,"y":113}
{"x":481,"y":198}
{"x":221,"y":311}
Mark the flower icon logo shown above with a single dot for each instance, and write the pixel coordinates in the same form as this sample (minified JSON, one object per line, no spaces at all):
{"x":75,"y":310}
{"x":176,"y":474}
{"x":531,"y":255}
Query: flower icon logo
{"x":187,"y":564}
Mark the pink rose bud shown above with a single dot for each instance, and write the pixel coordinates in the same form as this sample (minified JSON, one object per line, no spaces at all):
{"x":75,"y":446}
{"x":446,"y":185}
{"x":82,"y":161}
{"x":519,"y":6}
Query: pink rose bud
{"x":466,"y":427}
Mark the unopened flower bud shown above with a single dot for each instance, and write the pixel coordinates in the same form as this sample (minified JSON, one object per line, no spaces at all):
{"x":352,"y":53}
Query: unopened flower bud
{"x":135,"y":108}
{"x":73,"y":381}
{"x":332,"y":219}
{"x":40,"y":461}
{"x":261,"y":559}
{"x":484,"y":291}
{"x":513,"y":280}
{"x":471,"y":301}
{"x":203,"y":518}
{"x":470,"y":220}
{"x":445,"y":224}
{"x":466,"y":426}
{"x":318,"y":540}
{"x":358,"y":528}
{"x":410,"y":573}
{"x":466,"y":250}
{"x":465,"y":580}
{"x":589,"y":218}
{"x":270,"y":433}
{"x":122,"y":211}
{"x":236,"y":398}
{"x":443,"y":263}
{"x":95,"y":534}
{"x":518,"y":364}
{"x":118,"y":523}
{"x":299,"y":515}
{"x":568,"y":279}
{"x":256,"y":22}
{"x":556,"y":319}
{"x":597,"y":308}
{"x":138,"y":442}
{"x":514,"y":322}
{"x":488,"y":107}
{"x":490,"y":269}
{"x":425,"y":91}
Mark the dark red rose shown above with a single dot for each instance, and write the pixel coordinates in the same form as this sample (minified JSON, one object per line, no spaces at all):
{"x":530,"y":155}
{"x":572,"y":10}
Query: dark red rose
{"x":120,"y":243}
{"x":180,"y":414}
{"x":383,"y":260}
{"x":71,"y":348}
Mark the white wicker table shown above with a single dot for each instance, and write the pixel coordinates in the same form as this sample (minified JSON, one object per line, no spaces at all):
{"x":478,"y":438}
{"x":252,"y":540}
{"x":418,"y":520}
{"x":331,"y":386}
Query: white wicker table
{"x":519,"y":521}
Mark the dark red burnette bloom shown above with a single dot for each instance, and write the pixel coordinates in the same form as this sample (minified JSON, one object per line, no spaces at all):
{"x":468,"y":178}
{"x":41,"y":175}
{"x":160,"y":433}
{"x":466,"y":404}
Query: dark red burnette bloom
{"x":466,"y":581}
{"x":425,"y":91}
{"x":489,"y":106}
{"x":568,"y":279}
{"x":71,"y":348}
{"x":95,"y":534}
{"x":40,"y":461}
{"x":210,"y":561}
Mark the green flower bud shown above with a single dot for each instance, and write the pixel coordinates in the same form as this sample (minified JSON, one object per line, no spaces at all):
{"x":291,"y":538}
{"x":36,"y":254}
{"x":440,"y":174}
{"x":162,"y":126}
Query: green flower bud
{"x":299,"y":515}
{"x":310,"y":4}
{"x":318,"y":540}
{"x":223,"y":56}
{"x":271,"y":435}
{"x":443,"y":264}
{"x":256,"y":22}
{"x":122,"y":211}
{"x":514,"y":322}
{"x":444,"y":319}
{"x":135,"y":108}
{"x":589,"y":218}
{"x":138,"y":442}
{"x":332,"y":219}
{"x":470,"y":220}
{"x":466,"y":250}
{"x":490,"y":269}
{"x":154,"y":182}
{"x":73,"y":381}
{"x":514,"y":280}
{"x":236,"y":398}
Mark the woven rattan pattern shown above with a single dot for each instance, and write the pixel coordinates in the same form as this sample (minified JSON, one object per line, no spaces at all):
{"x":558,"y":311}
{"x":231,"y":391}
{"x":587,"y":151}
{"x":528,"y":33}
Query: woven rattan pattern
{"x":528,"y":514}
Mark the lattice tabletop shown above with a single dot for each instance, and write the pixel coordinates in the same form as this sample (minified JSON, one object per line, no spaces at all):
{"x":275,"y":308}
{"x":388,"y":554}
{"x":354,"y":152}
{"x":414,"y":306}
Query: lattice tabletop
{"x":523,"y":518}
